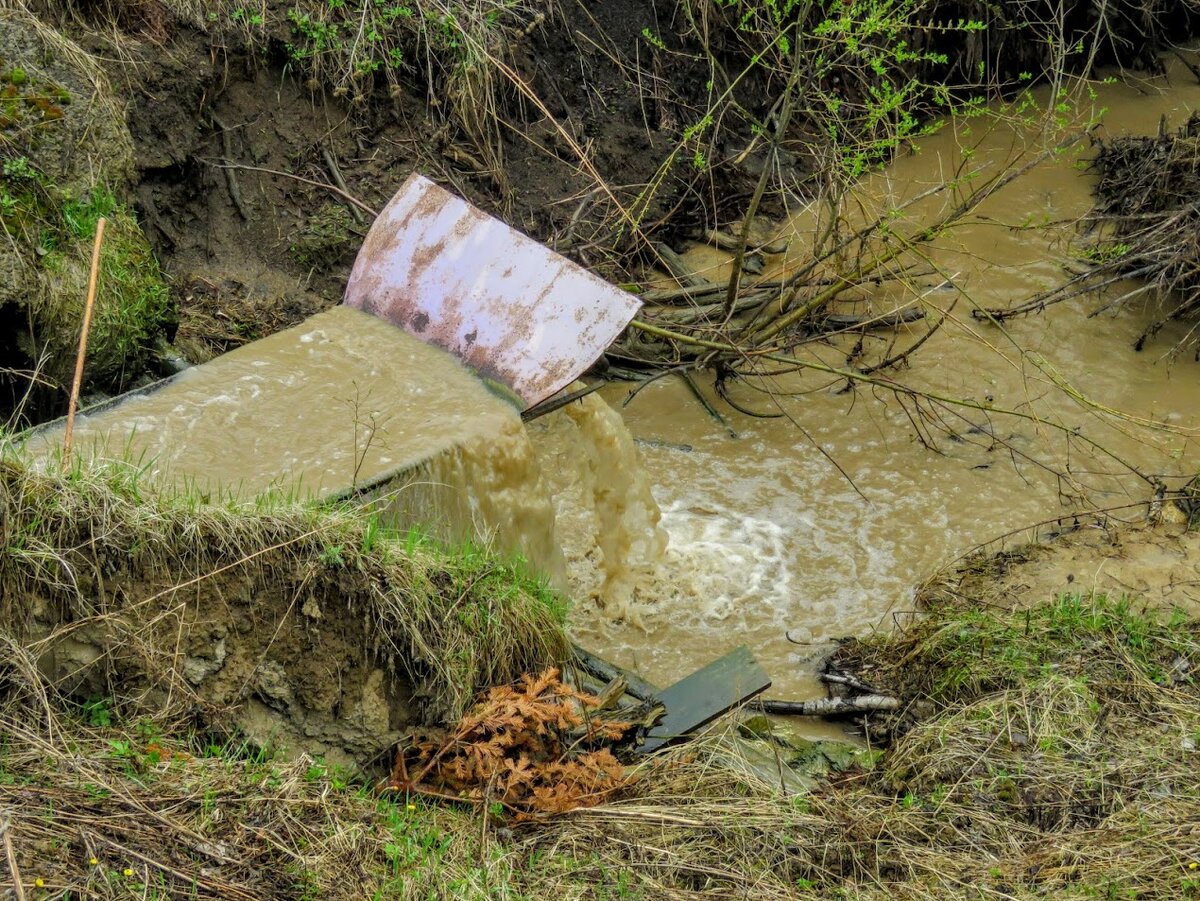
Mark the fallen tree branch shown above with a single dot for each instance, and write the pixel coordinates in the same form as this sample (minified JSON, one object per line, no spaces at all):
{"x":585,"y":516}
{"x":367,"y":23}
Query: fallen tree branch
{"x":729,"y":242}
{"x":558,"y":402}
{"x":898,"y":389}
{"x":883,"y":320}
{"x":828,"y":706}
{"x":308,"y":181}
{"x":679,"y":269}
{"x":786,"y":320}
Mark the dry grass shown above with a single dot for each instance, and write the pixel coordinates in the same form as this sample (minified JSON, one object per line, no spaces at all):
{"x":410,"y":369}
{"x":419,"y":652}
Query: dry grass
{"x":102,"y":811}
{"x":1055,"y":758}
{"x":457,"y":52}
{"x":1044,"y":753}
{"x":107,"y":813}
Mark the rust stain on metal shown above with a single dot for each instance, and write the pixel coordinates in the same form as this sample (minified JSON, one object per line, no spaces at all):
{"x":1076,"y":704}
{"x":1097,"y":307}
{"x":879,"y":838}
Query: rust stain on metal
{"x":512,"y":309}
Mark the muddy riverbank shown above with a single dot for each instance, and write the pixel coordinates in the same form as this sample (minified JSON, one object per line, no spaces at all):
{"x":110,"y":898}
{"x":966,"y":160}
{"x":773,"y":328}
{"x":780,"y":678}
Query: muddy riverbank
{"x":180,"y":678}
{"x":163,"y":648}
{"x":1044,"y":748}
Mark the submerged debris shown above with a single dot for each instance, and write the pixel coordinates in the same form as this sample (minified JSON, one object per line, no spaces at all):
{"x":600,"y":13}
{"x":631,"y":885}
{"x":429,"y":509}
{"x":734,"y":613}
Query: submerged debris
{"x":1146,"y":202}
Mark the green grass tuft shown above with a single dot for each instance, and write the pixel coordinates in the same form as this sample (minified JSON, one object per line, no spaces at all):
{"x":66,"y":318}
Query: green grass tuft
{"x":965,"y":652}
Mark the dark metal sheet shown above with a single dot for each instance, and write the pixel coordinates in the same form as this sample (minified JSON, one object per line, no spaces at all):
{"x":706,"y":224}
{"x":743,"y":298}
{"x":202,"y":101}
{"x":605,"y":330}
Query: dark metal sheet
{"x":700,"y":698}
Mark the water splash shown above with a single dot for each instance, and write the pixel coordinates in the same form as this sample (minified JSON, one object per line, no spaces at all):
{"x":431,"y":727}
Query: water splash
{"x":628,"y":542}
{"x":726,"y":569}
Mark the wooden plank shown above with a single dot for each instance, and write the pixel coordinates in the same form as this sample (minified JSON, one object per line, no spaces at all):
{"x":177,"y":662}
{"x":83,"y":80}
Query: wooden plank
{"x":606,"y":672}
{"x":700,"y":698}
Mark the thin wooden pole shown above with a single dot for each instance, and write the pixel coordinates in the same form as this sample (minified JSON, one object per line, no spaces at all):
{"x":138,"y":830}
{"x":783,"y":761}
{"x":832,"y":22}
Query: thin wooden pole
{"x":93,"y":279}
{"x":13,"y":869}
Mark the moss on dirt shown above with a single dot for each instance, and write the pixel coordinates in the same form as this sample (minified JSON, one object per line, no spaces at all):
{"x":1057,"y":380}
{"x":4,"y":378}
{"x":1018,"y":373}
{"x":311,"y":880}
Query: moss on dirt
{"x":65,"y":154}
{"x":325,"y":238}
{"x":133,"y":304}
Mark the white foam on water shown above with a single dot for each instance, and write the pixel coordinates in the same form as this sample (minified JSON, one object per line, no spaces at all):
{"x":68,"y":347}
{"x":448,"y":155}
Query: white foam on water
{"x":720,"y":568}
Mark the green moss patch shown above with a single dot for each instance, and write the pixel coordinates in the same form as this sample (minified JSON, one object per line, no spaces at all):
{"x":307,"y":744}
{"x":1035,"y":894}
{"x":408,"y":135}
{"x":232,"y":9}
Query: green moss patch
{"x":133,"y":302}
{"x":65,"y":157}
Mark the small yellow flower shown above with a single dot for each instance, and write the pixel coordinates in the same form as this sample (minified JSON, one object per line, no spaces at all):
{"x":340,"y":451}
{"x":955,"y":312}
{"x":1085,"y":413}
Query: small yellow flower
{"x":1193,"y":865}
{"x":128,"y":872}
{"x":92,"y":861}
{"x":39,"y":882}
{"x":410,"y":806}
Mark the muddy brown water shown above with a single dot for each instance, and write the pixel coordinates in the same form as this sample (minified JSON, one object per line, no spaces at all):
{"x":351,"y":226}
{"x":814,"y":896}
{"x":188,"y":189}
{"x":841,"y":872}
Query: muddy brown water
{"x":767,"y":539}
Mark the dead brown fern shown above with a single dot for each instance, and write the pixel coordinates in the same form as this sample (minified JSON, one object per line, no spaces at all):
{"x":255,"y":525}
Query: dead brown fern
{"x":531,"y":747}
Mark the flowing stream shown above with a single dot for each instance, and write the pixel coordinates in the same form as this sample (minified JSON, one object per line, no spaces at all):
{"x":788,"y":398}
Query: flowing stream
{"x":768,"y":539}
{"x":342,"y":402}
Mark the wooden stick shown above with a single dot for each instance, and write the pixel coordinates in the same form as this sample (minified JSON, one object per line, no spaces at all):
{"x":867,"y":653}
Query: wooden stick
{"x":558,"y":401}
{"x":850,"y":682}
{"x":93,"y":279}
{"x":606,"y":672}
{"x":331,"y":163}
{"x":883,"y":320}
{"x":729,"y":242}
{"x":333,"y":189}
{"x":610,"y":694}
{"x":231,"y":182}
{"x":680,"y":270}
{"x":828,"y":706}
{"x":13,"y":869}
